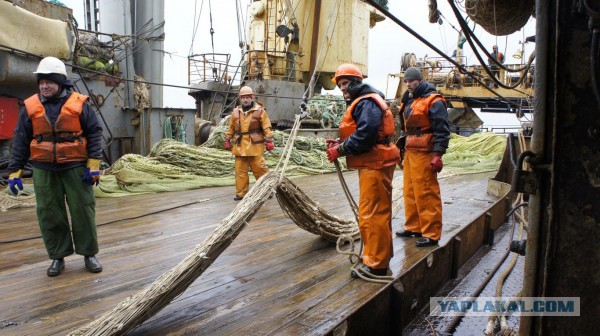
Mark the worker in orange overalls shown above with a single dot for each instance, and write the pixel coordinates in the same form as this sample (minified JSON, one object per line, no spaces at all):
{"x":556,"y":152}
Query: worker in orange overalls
{"x":424,"y":118}
{"x":365,"y":140}
{"x":248,"y":136}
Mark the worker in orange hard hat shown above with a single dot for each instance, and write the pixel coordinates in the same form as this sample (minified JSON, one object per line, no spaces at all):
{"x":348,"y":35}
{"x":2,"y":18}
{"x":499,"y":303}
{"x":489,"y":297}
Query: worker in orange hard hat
{"x":366,"y":132}
{"x":424,"y":119}
{"x":59,"y":133}
{"x":347,"y":70}
{"x":248,"y":136}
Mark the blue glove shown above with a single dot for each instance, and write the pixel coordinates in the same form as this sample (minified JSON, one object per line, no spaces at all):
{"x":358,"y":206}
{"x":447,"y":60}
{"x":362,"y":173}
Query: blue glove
{"x":14,"y":181}
{"x":92,"y":172}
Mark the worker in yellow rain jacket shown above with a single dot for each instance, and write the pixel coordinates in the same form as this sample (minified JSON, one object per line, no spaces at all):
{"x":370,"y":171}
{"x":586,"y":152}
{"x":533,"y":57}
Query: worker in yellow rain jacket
{"x":365,"y":140}
{"x":425,"y":118}
{"x":248,"y":136}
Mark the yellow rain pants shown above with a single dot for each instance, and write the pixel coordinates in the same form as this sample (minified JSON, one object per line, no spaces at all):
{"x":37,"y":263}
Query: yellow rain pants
{"x":242,"y":181}
{"x":422,"y":197}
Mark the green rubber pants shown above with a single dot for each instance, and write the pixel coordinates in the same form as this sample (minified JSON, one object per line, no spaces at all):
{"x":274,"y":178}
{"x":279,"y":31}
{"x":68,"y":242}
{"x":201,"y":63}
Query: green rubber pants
{"x":52,"y":188}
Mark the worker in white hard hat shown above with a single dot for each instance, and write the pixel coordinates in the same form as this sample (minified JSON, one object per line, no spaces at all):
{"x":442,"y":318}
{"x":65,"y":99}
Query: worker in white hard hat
{"x":58,"y":132}
{"x":248,"y":136}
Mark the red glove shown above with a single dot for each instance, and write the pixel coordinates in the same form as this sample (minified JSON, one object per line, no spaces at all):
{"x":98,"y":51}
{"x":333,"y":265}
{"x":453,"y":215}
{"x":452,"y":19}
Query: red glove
{"x":227,"y":144}
{"x":436,"y":163}
{"x":269,"y":145}
{"x":333,"y":153}
{"x":330,"y":143}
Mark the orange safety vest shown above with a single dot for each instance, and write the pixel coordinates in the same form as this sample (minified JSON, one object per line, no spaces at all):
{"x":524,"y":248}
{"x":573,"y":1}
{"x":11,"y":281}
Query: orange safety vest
{"x":500,"y":57}
{"x":382,"y":154}
{"x":62,"y":142}
{"x":254,"y":130}
{"x":419,"y":135}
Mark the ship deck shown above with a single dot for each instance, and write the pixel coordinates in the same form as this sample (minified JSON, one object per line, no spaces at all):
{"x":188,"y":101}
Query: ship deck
{"x":274,"y":279}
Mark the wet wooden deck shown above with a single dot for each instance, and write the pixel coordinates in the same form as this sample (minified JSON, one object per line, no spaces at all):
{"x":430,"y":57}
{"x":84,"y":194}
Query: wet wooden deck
{"x":274,"y":279}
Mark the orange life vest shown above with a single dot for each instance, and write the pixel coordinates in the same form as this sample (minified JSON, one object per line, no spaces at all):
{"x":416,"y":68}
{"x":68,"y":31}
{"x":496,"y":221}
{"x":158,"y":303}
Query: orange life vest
{"x":254,"y":130}
{"x":500,"y":57}
{"x":419,"y":135}
{"x":382,"y":154}
{"x":62,"y":142}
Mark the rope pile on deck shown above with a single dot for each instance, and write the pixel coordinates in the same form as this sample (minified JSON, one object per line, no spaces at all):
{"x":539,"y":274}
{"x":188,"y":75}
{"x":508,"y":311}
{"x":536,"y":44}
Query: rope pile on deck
{"x":26,"y":198}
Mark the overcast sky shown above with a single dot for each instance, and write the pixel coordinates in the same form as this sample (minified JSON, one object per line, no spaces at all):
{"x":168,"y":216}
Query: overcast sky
{"x":387,"y":41}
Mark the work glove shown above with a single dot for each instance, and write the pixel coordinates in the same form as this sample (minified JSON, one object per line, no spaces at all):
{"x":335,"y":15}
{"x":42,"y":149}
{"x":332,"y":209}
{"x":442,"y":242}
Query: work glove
{"x":14,"y":181}
{"x":92,"y":172}
{"x":269,"y":145}
{"x":332,"y":153}
{"x":436,"y":162}
{"x":227,"y":144}
{"x":331,"y":142}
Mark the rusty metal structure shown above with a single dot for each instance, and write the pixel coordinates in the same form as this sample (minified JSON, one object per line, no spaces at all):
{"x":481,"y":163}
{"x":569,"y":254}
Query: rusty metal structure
{"x":292,"y":50}
{"x":562,"y":248}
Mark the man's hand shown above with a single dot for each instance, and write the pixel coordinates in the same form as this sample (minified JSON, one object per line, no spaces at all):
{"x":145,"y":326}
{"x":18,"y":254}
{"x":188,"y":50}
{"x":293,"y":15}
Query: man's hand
{"x":331,"y":142}
{"x":436,"y":162}
{"x":227,"y":144}
{"x":91,"y":175}
{"x":14,"y":181}
{"x":333,"y":153}
{"x":269,"y":145}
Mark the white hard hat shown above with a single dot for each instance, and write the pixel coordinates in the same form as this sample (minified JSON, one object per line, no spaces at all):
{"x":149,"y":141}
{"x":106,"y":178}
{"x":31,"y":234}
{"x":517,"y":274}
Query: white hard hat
{"x":245,"y":91}
{"x":50,"y":65}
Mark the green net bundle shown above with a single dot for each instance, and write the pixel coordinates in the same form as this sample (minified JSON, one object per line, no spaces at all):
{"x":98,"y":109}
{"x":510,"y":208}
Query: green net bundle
{"x":328,"y":108}
{"x":480,"y":152}
{"x":175,"y":166}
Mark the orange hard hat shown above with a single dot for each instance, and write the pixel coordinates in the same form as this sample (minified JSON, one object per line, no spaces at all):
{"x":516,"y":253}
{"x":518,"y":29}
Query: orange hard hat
{"x":345,"y":70}
{"x":246,"y":91}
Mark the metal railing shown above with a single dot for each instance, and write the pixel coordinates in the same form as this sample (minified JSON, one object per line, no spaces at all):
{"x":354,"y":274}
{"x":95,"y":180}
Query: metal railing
{"x":211,"y":67}
{"x":265,"y":64}
{"x":439,"y":70}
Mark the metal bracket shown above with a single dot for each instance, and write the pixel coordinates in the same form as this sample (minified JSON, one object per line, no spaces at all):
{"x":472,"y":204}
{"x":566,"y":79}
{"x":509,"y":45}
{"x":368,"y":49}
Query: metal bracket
{"x":524,"y":181}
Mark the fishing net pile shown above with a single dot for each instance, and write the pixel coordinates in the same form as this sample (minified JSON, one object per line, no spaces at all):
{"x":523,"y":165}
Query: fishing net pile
{"x":95,"y":55}
{"x":175,"y":166}
{"x":308,"y":215}
{"x":329,"y":109}
{"x":478,"y":153}
{"x":25,"y":198}
{"x":500,"y":17}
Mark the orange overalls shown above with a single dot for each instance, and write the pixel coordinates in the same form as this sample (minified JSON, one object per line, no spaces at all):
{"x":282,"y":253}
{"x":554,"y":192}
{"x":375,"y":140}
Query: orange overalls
{"x":375,"y":172}
{"x":422,"y":197}
{"x":247,"y":132}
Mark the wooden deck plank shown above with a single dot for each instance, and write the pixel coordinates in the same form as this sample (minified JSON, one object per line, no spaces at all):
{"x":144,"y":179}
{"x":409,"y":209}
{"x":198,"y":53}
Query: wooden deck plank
{"x":275,"y":278}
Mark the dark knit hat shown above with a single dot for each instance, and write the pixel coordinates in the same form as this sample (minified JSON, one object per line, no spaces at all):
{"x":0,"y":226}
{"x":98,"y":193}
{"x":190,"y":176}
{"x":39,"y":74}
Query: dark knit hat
{"x":56,"y":78}
{"x":413,"y":73}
